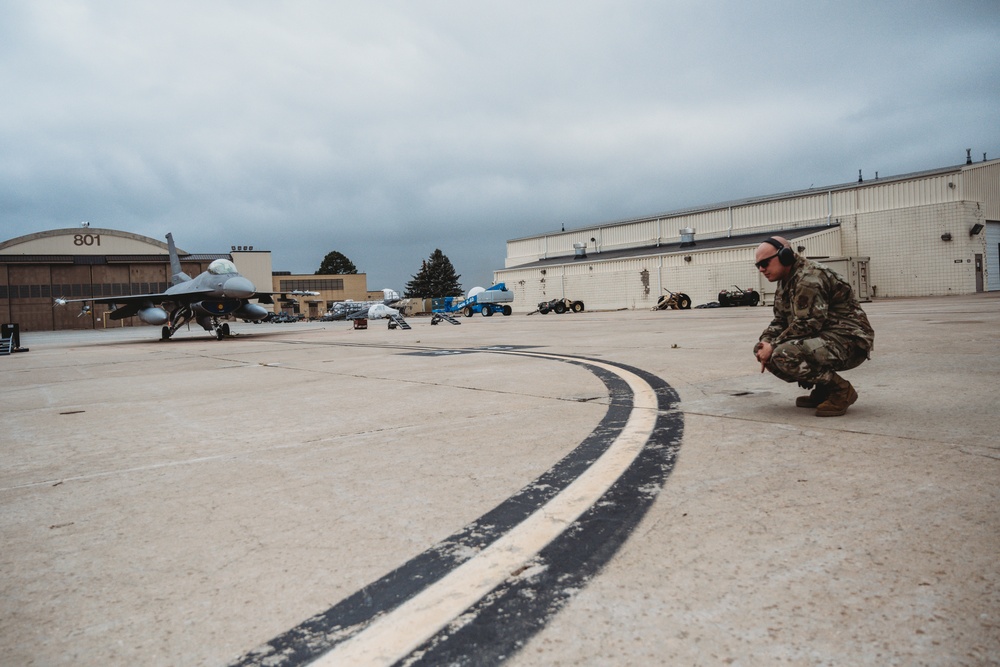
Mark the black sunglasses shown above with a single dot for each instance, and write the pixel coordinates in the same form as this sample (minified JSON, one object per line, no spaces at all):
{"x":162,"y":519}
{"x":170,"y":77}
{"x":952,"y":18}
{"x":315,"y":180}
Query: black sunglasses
{"x":762,"y":264}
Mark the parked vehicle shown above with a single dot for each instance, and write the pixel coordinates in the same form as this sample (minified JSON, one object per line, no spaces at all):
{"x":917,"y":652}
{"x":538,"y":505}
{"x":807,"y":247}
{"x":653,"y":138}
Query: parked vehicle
{"x":485,"y":301}
{"x":673,"y":301}
{"x":559,"y":306}
{"x":739,"y":297}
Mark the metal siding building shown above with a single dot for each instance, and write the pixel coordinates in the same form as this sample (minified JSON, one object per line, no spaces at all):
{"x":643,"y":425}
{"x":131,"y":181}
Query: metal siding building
{"x":912,"y":234}
{"x":84,"y":262}
{"x":80,"y":263}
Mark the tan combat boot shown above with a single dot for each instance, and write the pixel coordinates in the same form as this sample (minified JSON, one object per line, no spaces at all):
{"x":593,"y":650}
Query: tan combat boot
{"x":815,"y":397}
{"x":841,"y":396}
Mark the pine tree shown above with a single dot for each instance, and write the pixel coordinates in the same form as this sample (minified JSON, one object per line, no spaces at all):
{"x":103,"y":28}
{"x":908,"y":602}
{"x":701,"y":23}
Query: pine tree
{"x":436,"y":278}
{"x":336,"y":264}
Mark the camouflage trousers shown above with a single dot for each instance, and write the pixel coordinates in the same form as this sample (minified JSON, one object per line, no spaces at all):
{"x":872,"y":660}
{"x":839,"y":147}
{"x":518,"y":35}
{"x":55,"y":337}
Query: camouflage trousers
{"x":812,"y":361}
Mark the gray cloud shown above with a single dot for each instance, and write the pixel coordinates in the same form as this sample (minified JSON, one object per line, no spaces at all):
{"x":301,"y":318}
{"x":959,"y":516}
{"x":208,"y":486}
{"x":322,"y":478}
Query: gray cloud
{"x":385,"y":130}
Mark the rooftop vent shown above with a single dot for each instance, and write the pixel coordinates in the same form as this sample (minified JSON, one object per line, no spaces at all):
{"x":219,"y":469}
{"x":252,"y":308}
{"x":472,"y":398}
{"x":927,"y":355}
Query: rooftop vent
{"x":579,"y":251}
{"x":687,"y":237}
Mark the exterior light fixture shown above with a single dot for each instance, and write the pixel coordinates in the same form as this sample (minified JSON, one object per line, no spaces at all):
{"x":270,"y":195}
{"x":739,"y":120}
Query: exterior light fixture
{"x":946,"y":236}
{"x":687,"y":258}
{"x":976,"y":228}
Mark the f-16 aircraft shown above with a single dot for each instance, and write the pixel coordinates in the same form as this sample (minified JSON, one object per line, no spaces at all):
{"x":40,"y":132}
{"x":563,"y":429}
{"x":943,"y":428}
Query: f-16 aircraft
{"x":219,"y":292}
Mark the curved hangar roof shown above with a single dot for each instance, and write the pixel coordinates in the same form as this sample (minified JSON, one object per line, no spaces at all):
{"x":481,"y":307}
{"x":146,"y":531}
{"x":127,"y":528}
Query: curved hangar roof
{"x":84,"y":241}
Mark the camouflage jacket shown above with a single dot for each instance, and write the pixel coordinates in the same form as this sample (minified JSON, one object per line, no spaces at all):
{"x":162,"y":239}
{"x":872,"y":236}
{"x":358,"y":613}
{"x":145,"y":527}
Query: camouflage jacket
{"x":814,"y":300}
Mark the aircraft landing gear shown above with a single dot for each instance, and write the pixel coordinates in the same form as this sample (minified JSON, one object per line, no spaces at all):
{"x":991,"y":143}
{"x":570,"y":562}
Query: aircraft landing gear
{"x":221,"y":330}
{"x":178,"y":316}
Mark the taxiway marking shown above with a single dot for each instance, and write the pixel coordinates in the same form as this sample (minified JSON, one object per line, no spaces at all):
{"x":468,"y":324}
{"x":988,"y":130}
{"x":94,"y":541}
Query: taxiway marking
{"x":394,"y":635}
{"x":484,"y":591}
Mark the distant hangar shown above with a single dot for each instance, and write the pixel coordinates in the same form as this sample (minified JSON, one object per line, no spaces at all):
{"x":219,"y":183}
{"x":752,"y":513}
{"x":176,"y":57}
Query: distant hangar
{"x":927,"y":233}
{"x":87,"y":261}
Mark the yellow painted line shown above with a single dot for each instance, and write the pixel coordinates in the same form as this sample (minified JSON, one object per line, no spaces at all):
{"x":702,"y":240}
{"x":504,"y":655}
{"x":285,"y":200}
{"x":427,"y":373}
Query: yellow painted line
{"x":395,"y":635}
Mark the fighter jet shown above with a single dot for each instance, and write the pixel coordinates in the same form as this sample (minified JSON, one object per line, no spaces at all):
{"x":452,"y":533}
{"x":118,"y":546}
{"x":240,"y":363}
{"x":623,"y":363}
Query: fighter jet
{"x":219,"y":292}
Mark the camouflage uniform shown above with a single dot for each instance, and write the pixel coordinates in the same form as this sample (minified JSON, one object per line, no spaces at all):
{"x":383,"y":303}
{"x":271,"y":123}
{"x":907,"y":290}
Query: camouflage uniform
{"x":818,"y":327}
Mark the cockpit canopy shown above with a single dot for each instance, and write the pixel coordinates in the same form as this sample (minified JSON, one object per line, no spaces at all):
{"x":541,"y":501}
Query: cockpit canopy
{"x":222,"y":267}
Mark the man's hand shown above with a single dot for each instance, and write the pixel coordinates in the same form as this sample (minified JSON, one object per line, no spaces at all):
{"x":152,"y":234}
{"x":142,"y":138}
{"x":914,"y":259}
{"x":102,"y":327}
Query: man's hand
{"x":763,"y":353}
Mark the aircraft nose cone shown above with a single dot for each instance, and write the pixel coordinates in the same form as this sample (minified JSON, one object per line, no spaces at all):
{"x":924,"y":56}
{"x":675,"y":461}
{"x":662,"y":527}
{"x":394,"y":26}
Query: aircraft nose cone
{"x":238,"y":287}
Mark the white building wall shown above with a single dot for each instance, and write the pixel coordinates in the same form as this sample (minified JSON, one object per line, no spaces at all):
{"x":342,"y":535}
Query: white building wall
{"x":905,"y":194}
{"x":781,"y":213}
{"x":908,"y":256}
{"x":827,"y":243}
{"x":981,"y":183}
{"x":710,"y":271}
{"x":898,"y":223}
{"x":523,"y":251}
{"x":628,"y":235}
{"x":715,"y":222}
{"x":256,"y":266}
{"x":637,"y":283}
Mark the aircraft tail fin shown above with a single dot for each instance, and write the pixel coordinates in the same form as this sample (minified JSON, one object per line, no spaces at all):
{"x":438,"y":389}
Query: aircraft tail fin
{"x":177,"y":276}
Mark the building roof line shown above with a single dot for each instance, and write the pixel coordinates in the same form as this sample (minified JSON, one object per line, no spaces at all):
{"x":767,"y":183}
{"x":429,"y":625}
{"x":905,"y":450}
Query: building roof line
{"x":759,"y":199}
{"x":84,"y":230}
{"x":676,"y":248}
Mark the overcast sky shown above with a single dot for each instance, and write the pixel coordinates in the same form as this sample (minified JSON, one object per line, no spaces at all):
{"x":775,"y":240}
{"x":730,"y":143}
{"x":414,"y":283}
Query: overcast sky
{"x":385,"y":130}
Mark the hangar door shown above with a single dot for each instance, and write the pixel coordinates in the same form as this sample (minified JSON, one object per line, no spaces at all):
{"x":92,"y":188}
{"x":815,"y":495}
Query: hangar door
{"x":992,"y":255}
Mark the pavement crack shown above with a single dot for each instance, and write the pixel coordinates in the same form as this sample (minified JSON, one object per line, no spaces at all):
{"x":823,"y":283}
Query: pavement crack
{"x":993,"y":455}
{"x":601,"y":400}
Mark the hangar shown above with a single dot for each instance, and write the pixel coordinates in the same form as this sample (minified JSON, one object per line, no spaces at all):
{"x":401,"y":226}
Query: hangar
{"x":934,"y":232}
{"x":83,"y":262}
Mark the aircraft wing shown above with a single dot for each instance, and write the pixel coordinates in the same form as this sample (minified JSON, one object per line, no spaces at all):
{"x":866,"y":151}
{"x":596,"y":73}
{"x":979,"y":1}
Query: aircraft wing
{"x":126,"y":299}
{"x":180,"y":295}
{"x":129,"y":305}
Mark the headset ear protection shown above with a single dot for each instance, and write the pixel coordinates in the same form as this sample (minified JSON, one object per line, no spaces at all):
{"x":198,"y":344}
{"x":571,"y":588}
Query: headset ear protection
{"x":785,"y":254}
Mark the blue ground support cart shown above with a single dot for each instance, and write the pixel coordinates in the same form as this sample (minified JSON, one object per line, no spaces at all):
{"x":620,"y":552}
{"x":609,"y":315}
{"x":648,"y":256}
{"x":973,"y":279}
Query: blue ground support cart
{"x":489,"y":301}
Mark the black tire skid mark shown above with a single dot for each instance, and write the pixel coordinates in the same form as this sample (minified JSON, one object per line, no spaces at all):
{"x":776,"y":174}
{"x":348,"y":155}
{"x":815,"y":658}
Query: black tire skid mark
{"x":322,"y":632}
{"x":500,"y":624}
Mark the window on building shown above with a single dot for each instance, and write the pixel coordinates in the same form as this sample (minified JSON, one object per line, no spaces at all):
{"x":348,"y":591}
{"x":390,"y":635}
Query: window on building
{"x":312,"y":284}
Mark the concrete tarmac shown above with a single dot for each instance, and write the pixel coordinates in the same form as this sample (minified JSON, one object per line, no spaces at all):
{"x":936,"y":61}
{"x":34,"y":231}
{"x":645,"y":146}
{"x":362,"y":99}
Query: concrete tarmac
{"x":474,"y":494}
